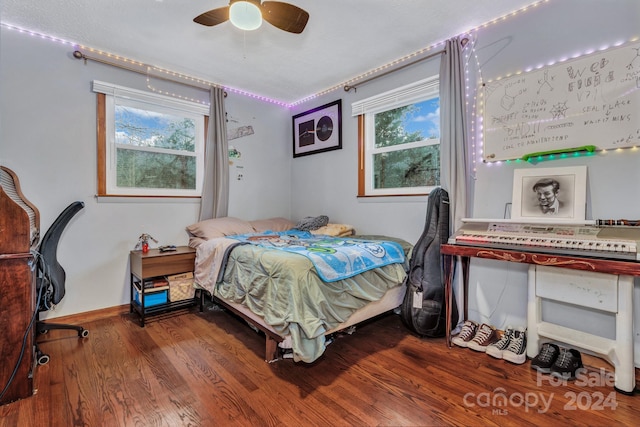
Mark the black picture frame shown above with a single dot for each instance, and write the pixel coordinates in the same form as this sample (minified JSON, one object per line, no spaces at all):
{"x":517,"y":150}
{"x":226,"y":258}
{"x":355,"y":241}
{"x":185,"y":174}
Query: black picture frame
{"x":318,"y":130}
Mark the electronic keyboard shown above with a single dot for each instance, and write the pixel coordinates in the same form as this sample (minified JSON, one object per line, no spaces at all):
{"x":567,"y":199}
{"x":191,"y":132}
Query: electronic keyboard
{"x":584,"y":239}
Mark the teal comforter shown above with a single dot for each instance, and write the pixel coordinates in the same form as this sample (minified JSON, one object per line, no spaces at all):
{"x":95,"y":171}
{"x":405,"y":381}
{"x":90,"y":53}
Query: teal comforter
{"x":334,"y":258}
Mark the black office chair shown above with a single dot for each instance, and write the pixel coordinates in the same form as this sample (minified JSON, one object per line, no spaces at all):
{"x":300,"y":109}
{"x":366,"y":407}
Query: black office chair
{"x":50,"y":278}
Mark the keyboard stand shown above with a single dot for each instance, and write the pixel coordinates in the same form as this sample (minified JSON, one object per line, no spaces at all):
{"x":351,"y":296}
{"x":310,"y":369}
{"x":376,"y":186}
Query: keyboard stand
{"x":606,"y":292}
{"x":609,"y":287}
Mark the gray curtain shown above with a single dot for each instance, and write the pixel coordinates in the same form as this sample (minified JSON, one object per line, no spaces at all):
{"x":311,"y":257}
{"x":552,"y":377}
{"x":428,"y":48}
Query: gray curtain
{"x":453,"y":132}
{"x":215,"y":189}
{"x":453,"y":144}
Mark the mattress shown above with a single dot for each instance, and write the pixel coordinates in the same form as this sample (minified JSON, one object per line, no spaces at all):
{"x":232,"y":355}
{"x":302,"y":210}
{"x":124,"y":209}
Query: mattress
{"x":283,"y":292}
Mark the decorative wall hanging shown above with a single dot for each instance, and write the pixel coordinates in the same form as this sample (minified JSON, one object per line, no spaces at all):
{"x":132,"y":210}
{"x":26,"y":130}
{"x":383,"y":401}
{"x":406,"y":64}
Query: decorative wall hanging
{"x":553,"y":194}
{"x":318,"y":130}
{"x":588,"y":103}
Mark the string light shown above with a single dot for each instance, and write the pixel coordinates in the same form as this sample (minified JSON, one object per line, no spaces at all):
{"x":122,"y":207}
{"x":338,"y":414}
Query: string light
{"x":474,"y":97}
{"x":36,"y":34}
{"x":480,"y":109}
{"x":469,"y":53}
{"x":382,"y":68}
{"x":172,"y":94}
{"x":413,"y":55}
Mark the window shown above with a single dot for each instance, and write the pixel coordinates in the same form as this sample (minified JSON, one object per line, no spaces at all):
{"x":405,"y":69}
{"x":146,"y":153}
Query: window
{"x":148,"y":145}
{"x":399,"y":141}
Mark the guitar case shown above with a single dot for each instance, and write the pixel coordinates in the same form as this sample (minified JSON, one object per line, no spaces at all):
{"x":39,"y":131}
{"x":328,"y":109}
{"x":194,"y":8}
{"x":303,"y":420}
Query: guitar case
{"x":425,"y":280}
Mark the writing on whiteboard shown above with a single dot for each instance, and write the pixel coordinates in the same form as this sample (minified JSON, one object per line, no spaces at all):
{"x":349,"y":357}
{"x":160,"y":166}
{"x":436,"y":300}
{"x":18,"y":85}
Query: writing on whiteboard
{"x":592,"y":100}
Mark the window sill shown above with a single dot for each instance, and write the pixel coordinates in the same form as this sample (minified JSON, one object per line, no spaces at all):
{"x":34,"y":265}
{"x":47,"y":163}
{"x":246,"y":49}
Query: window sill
{"x":146,"y":199}
{"x":407,"y":198}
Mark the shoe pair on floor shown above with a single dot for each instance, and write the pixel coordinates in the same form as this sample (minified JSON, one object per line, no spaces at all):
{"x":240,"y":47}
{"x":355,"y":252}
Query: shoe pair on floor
{"x":511,"y":346}
{"x":559,"y":362}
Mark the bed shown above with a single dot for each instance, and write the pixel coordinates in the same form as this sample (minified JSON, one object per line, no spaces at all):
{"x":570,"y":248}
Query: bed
{"x":253,"y":269}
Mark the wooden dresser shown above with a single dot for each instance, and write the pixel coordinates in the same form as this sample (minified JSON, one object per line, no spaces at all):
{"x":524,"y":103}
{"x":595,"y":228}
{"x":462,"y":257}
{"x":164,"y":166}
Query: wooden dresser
{"x":19,"y":223}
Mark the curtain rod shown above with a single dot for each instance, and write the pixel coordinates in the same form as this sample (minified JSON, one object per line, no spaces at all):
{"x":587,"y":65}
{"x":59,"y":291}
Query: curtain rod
{"x":347,"y":88}
{"x":141,"y":69}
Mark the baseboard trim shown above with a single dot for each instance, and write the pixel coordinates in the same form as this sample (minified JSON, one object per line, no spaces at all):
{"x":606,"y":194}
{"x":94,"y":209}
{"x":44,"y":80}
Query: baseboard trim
{"x":90,"y":316}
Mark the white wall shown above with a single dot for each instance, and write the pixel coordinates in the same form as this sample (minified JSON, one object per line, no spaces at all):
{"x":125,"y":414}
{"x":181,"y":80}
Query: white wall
{"x":326,"y":183}
{"x":552,"y":31}
{"x":264,"y":189}
{"x":48,"y":137}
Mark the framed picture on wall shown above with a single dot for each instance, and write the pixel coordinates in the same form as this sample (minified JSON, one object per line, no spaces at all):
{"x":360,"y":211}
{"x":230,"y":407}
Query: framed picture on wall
{"x":318,"y":130}
{"x":554,"y":194}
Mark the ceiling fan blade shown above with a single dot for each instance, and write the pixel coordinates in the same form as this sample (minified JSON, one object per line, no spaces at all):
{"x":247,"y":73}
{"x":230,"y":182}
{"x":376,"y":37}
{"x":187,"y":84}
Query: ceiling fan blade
{"x":213,"y":17}
{"x":285,"y":16}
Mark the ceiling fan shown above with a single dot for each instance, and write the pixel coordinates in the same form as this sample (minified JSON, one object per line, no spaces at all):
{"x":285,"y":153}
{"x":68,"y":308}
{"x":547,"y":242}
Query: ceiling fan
{"x":248,"y":15}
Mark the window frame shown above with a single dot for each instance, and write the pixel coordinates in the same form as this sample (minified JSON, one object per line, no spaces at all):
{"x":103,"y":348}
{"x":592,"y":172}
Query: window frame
{"x":106,"y":100}
{"x":365,"y":111}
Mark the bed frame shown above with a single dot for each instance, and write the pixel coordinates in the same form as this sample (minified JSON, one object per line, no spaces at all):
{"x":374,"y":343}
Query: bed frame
{"x":390,"y":301}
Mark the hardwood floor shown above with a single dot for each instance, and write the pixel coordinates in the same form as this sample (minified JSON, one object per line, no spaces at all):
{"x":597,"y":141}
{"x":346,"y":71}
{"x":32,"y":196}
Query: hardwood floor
{"x":207,"y":369}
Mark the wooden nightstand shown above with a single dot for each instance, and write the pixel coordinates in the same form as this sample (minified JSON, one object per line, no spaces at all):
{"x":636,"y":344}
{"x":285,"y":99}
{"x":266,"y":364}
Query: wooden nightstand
{"x":156,"y":264}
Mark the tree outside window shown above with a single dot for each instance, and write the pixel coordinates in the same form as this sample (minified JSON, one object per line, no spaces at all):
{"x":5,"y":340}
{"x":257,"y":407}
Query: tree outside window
{"x":154,"y":150}
{"x":400,"y":144}
{"x":148,"y":144}
{"x":409,"y":137}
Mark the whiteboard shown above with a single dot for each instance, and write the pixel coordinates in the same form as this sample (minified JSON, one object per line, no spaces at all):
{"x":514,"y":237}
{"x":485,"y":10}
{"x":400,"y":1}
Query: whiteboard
{"x":591,"y":100}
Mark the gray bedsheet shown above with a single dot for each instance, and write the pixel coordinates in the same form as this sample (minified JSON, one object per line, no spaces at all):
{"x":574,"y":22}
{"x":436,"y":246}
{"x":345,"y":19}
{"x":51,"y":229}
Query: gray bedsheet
{"x":285,"y":290}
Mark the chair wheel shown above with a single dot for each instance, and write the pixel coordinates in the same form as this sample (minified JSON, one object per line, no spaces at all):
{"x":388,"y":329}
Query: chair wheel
{"x":83,"y":333}
{"x":43,"y":359}
{"x":43,"y":331}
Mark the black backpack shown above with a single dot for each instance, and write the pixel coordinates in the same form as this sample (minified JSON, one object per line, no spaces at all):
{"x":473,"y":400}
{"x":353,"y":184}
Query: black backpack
{"x":426,"y":273}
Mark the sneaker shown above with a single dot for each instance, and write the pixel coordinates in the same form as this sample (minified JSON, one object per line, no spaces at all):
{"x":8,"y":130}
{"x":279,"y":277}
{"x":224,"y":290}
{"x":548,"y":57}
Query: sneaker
{"x":546,"y":358}
{"x":466,"y":334}
{"x":516,"y":352}
{"x":567,"y":363}
{"x":497,"y":348}
{"x":485,"y":336}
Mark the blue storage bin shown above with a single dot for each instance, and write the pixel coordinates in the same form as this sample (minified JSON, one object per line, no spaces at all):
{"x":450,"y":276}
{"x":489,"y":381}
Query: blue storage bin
{"x":152,"y":298}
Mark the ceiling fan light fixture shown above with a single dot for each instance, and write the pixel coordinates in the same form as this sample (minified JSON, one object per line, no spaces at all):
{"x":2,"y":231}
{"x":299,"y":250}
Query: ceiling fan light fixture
{"x":245,"y":15}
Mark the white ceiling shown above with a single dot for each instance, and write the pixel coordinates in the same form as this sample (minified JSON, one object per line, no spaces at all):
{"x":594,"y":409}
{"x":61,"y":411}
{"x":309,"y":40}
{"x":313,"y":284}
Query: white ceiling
{"x":343,"y":39}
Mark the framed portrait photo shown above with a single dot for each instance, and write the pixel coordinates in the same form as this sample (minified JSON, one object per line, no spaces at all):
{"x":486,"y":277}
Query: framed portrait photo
{"x":550,"y":194}
{"x":318,"y":130}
